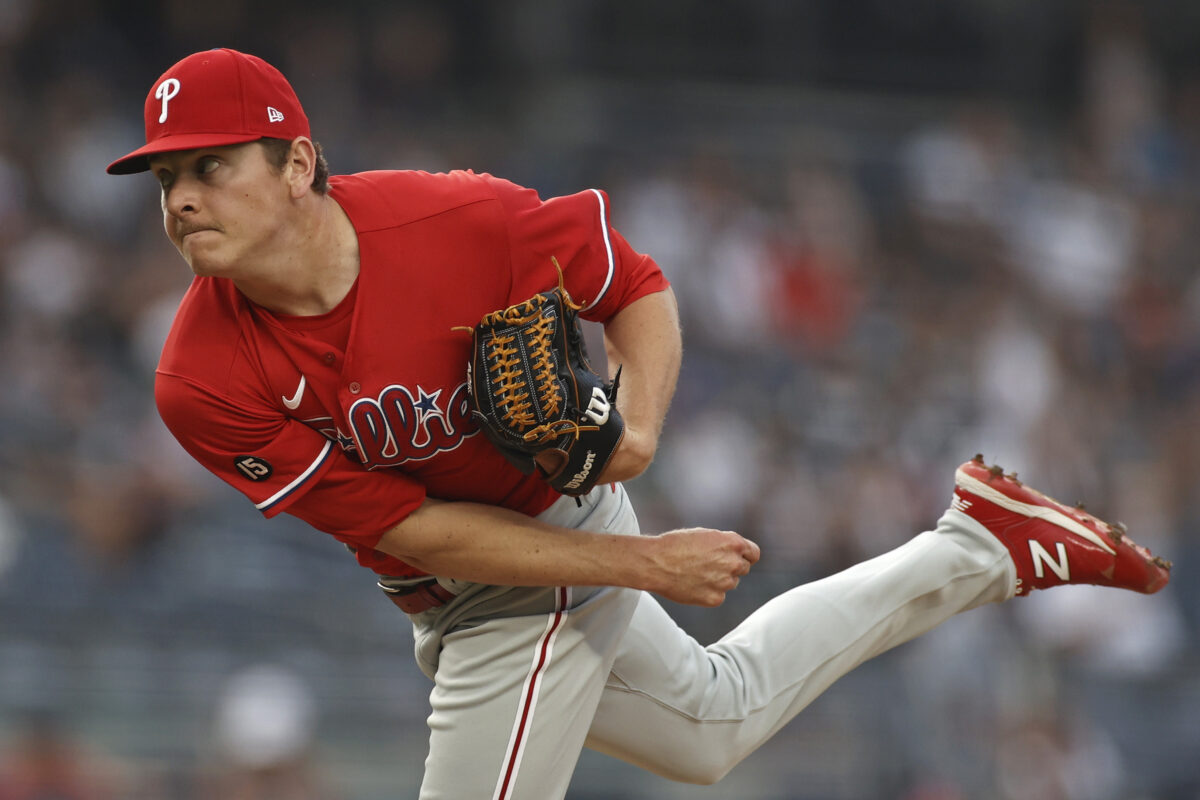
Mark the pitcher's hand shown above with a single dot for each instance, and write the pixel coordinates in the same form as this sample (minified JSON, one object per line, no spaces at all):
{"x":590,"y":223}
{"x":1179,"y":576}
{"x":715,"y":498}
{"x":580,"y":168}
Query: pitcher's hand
{"x":698,"y":566}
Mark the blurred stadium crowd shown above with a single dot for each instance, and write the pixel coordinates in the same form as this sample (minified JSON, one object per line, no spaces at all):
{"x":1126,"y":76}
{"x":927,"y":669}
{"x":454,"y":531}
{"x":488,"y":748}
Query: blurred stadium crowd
{"x":901,"y":234}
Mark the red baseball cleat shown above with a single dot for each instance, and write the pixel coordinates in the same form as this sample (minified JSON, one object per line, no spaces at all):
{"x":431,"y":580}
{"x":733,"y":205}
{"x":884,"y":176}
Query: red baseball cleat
{"x":1053,"y":544}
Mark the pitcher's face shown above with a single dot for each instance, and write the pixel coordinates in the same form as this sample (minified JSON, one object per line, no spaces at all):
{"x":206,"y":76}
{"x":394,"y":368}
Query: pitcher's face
{"x":223,"y":207}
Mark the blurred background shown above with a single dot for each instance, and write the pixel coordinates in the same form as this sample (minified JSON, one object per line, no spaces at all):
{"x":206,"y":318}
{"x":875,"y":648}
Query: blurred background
{"x":901,"y":234}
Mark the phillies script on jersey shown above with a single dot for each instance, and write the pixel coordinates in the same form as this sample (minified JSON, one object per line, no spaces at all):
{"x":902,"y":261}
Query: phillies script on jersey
{"x":350,"y":419}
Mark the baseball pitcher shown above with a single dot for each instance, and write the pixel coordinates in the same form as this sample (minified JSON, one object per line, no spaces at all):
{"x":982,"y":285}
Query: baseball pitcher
{"x":394,"y":357}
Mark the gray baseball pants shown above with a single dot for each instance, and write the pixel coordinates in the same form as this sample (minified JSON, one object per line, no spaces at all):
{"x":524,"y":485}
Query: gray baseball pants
{"x":524,"y":678}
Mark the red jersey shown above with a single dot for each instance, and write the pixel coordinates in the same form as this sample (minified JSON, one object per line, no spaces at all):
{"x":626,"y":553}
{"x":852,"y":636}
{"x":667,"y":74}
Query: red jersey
{"x":348,"y":420}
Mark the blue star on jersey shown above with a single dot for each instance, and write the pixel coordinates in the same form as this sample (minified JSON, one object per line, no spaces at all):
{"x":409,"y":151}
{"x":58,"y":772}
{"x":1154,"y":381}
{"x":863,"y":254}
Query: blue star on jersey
{"x":428,"y":402}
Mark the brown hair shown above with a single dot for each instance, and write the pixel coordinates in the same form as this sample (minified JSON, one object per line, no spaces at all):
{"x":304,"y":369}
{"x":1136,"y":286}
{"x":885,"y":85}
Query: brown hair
{"x":277,"y":153}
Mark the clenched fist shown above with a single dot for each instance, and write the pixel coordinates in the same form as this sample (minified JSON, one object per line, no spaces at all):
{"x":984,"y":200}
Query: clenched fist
{"x":698,"y":566}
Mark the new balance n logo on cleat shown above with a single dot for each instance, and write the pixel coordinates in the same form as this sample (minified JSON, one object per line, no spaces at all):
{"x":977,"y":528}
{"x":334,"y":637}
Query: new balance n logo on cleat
{"x":1043,"y":559}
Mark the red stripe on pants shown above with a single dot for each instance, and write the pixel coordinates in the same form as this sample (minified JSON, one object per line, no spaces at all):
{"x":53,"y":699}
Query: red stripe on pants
{"x":512,"y":758}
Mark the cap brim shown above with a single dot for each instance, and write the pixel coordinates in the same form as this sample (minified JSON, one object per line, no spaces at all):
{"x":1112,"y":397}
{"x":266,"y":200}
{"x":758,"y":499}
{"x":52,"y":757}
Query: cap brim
{"x":138,"y":160}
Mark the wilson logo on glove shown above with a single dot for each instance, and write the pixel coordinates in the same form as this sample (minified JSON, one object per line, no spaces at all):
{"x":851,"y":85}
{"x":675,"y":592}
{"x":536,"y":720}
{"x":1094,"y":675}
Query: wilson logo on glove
{"x":581,"y":476}
{"x":597,"y":410}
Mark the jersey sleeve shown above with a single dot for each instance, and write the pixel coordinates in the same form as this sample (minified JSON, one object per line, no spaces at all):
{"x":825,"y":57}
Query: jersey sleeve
{"x":601,"y":270}
{"x":280,"y":465}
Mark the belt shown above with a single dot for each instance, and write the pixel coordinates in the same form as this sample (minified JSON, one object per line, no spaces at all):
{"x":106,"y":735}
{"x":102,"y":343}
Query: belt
{"x":418,"y":597}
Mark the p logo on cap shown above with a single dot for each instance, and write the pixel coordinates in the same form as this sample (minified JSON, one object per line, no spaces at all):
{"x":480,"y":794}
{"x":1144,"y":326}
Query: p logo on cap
{"x":165,"y":91}
{"x":214,"y":98}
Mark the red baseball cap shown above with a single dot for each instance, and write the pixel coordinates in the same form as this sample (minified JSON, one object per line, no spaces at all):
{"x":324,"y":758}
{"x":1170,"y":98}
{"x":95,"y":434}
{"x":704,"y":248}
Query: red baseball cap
{"x":213,"y":98}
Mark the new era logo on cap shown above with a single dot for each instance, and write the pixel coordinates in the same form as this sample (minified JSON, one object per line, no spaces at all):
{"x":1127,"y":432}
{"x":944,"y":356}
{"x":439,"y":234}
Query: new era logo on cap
{"x":214,"y":98}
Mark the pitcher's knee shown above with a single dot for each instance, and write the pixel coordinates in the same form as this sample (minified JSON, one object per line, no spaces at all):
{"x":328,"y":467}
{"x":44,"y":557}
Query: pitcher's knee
{"x":699,"y":767}
{"x":709,"y":774}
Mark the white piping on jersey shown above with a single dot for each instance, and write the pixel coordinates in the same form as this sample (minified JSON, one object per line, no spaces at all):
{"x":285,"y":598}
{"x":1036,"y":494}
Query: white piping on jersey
{"x":607,"y":249}
{"x":275,"y":498}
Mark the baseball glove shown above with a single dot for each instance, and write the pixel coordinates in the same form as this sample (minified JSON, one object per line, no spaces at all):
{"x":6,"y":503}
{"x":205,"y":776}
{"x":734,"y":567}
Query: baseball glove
{"x":536,"y":396}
